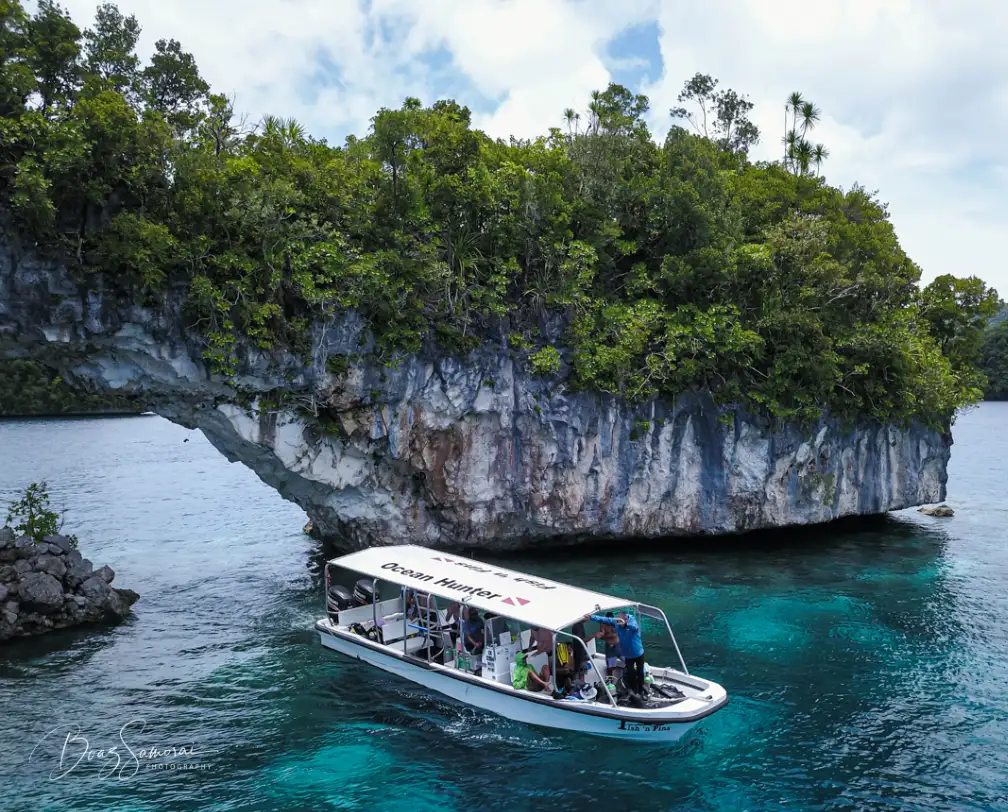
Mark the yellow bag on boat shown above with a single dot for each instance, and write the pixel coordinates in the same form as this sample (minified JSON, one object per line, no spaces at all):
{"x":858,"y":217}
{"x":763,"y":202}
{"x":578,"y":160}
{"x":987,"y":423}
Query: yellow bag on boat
{"x":563,"y":654}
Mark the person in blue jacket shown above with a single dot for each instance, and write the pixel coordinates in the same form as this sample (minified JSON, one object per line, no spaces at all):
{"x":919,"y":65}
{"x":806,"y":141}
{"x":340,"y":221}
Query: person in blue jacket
{"x":633,"y":647}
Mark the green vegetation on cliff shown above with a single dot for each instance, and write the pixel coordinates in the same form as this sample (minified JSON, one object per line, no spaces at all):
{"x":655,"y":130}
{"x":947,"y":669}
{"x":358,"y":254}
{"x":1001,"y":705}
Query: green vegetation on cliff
{"x":29,"y":388}
{"x":994,"y":360}
{"x":670,"y":266}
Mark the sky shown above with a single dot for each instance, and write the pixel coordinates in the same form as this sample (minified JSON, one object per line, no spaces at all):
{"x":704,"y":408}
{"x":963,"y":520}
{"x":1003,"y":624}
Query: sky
{"x":914,"y":93}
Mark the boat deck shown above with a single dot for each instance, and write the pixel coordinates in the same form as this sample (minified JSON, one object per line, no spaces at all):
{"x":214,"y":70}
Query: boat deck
{"x":673,"y":695}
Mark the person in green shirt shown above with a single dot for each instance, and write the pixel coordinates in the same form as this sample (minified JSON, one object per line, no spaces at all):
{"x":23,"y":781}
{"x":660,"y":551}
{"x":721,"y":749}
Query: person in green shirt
{"x":525,"y":677}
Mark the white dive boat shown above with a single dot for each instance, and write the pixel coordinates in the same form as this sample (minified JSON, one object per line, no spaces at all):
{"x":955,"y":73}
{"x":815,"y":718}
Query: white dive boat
{"x":416,"y":637}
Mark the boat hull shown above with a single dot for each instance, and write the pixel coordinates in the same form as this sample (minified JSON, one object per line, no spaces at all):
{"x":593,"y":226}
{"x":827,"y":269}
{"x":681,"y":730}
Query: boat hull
{"x":506,"y":704}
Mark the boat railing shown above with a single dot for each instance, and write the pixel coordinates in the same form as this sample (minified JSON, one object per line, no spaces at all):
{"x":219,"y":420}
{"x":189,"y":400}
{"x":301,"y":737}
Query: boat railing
{"x":657,"y":614}
{"x":428,"y":622}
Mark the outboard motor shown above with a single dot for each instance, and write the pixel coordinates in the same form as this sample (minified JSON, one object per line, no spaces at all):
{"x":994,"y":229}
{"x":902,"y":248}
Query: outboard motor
{"x":364,"y":593}
{"x":338,"y":599}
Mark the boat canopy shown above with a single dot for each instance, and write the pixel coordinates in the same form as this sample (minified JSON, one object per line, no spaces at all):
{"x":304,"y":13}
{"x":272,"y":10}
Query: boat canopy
{"x":529,"y":599}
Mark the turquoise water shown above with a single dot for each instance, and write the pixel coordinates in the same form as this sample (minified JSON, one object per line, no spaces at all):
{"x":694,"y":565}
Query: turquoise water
{"x":867,"y":666}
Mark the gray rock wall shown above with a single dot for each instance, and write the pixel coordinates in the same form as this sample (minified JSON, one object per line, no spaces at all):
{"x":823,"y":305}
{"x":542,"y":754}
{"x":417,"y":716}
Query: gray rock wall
{"x":468,"y":453}
{"x":51,"y":586}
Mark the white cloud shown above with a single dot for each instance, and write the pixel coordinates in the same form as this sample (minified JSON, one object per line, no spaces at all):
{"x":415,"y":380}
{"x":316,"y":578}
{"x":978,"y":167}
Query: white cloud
{"x":914,"y":93}
{"x":911,"y":95}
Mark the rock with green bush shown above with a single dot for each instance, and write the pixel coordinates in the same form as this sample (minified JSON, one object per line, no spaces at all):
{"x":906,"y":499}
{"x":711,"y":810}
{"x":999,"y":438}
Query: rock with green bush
{"x":45,"y":582}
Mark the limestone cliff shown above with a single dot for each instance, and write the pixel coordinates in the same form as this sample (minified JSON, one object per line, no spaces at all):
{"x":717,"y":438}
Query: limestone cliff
{"x":466,"y":453}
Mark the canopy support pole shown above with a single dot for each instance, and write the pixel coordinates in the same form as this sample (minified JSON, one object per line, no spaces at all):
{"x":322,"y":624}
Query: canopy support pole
{"x":591,"y":662}
{"x":430,"y":640}
{"x":553,"y":680}
{"x":405,"y":637}
{"x":668,"y":626}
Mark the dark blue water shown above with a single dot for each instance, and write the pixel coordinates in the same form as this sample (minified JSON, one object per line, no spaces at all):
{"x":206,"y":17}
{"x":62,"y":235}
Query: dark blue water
{"x":867,"y":668}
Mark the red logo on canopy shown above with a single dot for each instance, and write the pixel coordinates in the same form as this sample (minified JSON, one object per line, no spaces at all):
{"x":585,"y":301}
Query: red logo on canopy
{"x":516,"y":601}
{"x":446,"y":560}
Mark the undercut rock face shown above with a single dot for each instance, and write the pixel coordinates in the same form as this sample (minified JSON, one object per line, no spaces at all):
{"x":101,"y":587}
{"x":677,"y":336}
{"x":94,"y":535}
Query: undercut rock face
{"x":472,"y":452}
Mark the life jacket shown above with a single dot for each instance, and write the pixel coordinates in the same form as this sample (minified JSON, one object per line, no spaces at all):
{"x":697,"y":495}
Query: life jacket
{"x":564,"y":654}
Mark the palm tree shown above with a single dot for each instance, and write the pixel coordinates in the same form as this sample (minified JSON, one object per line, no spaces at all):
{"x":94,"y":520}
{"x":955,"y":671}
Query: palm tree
{"x":569,"y":114}
{"x":287,"y":132}
{"x":810,"y":117}
{"x":271,"y":125}
{"x":577,"y":120}
{"x":595,"y":108}
{"x":793,"y":103}
{"x":790,"y":145}
{"x":293,"y":132}
{"x":803,"y":155}
{"x":462,"y":257}
{"x":819,"y":154}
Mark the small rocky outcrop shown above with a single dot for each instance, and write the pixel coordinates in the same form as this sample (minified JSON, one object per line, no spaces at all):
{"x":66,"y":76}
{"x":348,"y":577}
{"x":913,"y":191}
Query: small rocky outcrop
{"x":941,"y":511}
{"x":51,"y":586}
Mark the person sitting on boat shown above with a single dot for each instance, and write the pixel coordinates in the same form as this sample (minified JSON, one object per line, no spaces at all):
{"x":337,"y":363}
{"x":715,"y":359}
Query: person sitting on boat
{"x":525,"y":677}
{"x":565,"y":668}
{"x":451,"y":623}
{"x":423,"y":604}
{"x":628,"y":631}
{"x":411,"y":605}
{"x":541,"y":640}
{"x":581,"y":652}
{"x":473,"y":632}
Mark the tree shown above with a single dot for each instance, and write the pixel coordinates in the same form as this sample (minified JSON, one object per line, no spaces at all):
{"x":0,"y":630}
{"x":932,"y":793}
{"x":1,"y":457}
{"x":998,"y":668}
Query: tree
{"x":394,"y":136}
{"x":110,"y":48}
{"x":956,"y":312}
{"x":33,"y":516}
{"x":217,"y":130}
{"x":55,"y":48}
{"x":172,"y":85}
{"x":736,"y":133}
{"x":722,"y":116}
{"x":994,"y":361}
{"x":659,"y":268}
{"x":819,"y":154}
{"x":800,"y":118}
{"x":700,"y":90}
{"x":801,"y":156}
{"x":793,"y":104}
{"x":810,"y":115}
{"x":17,"y":81}
{"x":569,"y":117}
{"x":620,"y":112}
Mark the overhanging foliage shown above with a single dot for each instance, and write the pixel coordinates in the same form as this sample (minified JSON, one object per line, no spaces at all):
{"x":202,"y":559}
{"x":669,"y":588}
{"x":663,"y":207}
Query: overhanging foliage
{"x":674,"y":266}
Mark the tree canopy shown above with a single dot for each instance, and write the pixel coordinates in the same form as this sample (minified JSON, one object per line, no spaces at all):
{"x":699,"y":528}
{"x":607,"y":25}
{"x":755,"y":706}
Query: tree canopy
{"x":994,"y":356}
{"x":669,"y":266}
